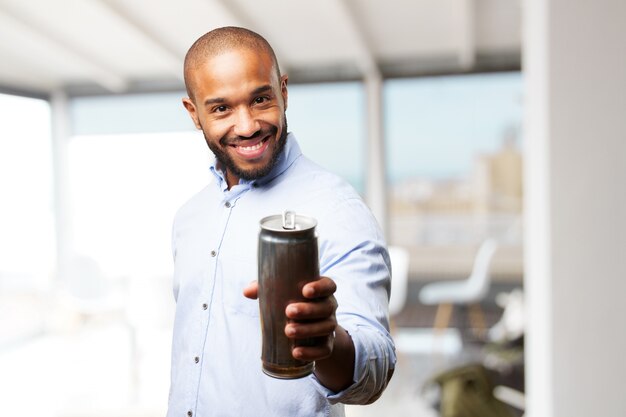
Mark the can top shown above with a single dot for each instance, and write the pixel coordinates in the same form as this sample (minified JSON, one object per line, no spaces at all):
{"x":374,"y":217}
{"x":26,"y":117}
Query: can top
{"x":287,"y":222}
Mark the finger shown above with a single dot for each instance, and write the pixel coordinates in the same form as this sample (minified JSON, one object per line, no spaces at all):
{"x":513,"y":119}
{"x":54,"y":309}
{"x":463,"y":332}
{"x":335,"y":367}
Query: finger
{"x":251,"y":290}
{"x":304,"y":330}
{"x":322,"y":287}
{"x":314,"y":353}
{"x":312,"y":310}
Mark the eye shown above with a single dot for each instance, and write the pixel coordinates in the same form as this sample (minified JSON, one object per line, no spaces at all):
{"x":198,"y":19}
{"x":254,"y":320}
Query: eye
{"x":261,"y":100}
{"x":220,"y":109}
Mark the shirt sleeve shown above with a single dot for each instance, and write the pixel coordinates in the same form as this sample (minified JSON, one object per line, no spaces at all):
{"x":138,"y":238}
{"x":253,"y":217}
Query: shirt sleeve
{"x":374,"y":365}
{"x":353,"y":253}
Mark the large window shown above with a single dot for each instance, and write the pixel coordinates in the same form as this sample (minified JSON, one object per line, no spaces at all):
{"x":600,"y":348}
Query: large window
{"x":27,"y":245}
{"x":96,"y":335}
{"x":454,"y":171}
{"x":125,"y":190}
{"x":454,"y":166}
{"x":26,"y":223}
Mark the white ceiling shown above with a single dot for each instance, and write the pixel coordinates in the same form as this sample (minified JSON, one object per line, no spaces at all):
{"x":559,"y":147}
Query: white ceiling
{"x":112,"y":46}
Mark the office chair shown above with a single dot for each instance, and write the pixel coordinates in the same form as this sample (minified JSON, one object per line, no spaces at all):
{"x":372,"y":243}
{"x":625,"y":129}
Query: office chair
{"x":399,"y":279}
{"x":470,"y":291}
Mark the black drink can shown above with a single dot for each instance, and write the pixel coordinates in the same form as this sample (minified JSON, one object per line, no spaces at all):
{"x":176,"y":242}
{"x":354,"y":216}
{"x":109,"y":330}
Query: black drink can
{"x":287,"y":260}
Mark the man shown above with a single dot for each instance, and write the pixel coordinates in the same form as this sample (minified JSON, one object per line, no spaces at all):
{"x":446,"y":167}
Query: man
{"x":238,"y":98}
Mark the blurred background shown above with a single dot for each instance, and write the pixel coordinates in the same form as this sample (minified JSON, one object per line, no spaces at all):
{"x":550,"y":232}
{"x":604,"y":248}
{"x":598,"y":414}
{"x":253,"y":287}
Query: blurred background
{"x":486,"y":136}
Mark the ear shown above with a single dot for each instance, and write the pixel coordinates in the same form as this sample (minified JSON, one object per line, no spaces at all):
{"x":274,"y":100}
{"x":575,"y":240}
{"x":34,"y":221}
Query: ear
{"x":191,"y":109}
{"x":283,"y":88}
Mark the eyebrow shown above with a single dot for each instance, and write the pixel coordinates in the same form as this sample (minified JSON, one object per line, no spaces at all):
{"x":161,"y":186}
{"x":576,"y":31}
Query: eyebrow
{"x":215,"y":100}
{"x":262,"y":89}
{"x":258,"y":90}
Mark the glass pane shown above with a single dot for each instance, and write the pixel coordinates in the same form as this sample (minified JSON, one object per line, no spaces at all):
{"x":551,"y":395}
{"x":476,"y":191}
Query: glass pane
{"x":27,"y":249}
{"x":129,"y":113}
{"x":455,"y":169}
{"x":125,"y":190}
{"x":329,"y":122}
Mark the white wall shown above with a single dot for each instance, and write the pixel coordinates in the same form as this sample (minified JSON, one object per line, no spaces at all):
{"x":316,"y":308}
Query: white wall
{"x":575,"y":69}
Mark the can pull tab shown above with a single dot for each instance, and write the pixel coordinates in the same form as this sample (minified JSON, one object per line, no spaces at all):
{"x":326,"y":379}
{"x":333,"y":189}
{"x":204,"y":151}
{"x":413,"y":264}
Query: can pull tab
{"x":289,"y":220}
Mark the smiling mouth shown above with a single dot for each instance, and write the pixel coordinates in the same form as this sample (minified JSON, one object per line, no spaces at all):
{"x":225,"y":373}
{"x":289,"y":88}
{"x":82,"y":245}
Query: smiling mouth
{"x":252,"y":147}
{"x":252,"y":151}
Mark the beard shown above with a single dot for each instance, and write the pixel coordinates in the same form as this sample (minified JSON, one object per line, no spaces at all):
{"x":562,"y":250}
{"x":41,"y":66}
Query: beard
{"x":229,"y":165}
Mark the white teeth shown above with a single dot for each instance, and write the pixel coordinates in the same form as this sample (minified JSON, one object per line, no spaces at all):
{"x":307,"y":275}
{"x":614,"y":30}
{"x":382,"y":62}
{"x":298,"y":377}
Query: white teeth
{"x":252,"y":148}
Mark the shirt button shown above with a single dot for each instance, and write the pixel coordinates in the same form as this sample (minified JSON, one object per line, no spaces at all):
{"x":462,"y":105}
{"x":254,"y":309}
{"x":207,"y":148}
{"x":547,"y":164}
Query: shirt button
{"x":213,"y":253}
{"x":189,"y":413}
{"x":205,"y":306}
{"x":196,"y":359}
{"x":227,"y":204}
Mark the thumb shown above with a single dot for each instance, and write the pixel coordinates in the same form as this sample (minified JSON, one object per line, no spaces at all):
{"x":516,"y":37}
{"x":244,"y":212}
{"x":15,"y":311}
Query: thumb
{"x":251,"y":290}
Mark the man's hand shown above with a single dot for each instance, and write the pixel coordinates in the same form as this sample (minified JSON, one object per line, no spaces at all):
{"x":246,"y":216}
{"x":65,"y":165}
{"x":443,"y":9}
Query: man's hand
{"x":314,"y":317}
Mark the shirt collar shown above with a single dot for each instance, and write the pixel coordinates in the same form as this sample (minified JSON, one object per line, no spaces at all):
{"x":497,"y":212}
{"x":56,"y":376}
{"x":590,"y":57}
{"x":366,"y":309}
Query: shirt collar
{"x":289,"y":154}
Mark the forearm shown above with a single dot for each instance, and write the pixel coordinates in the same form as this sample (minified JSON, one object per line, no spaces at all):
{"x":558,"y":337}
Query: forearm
{"x":336,"y":372}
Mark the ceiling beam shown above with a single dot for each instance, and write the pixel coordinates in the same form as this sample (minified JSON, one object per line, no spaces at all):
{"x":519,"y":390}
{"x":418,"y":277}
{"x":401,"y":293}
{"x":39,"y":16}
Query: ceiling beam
{"x":170,"y":54}
{"x":242,"y":19}
{"x":365,"y":57}
{"x":230,"y":9}
{"x":97,"y":71}
{"x":17,"y":91}
{"x":467,"y":32}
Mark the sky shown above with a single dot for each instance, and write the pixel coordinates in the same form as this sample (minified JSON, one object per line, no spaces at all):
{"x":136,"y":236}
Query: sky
{"x":435,"y":125}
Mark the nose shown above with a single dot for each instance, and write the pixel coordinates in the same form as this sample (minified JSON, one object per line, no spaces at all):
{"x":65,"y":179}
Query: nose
{"x":246,"y":124}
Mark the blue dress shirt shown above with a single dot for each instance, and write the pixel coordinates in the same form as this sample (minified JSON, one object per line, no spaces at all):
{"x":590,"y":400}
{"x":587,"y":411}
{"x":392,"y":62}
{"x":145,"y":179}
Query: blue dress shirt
{"x":216,"y":349}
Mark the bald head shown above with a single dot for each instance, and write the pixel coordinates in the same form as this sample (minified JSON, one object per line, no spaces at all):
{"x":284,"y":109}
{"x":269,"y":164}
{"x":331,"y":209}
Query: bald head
{"x":219,"y":41}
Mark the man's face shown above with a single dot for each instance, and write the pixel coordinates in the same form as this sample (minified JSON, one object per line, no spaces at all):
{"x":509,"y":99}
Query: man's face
{"x":239,"y":104}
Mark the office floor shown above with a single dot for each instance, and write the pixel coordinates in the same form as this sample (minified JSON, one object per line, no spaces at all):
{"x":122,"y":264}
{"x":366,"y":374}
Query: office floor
{"x":419,"y":358}
{"x":422,"y":354}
